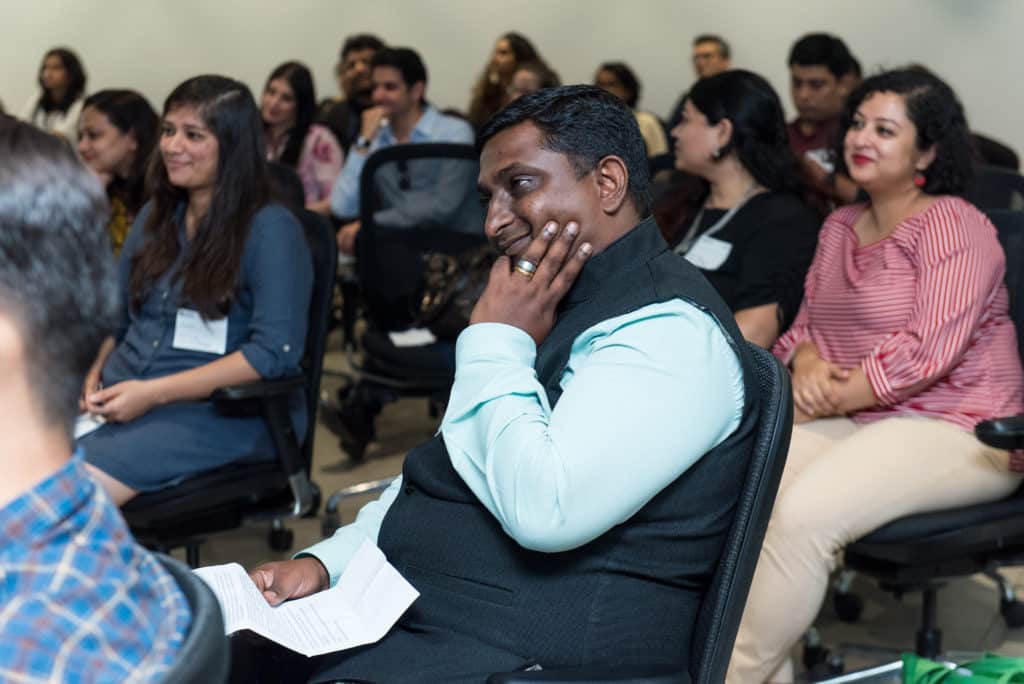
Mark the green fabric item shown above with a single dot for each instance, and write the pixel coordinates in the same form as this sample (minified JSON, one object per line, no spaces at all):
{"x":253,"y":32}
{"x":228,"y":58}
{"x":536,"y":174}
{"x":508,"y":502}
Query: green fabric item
{"x":990,"y":669}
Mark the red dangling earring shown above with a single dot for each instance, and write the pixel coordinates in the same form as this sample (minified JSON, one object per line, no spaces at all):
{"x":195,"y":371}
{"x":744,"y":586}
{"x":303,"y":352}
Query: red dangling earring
{"x":919,"y":179}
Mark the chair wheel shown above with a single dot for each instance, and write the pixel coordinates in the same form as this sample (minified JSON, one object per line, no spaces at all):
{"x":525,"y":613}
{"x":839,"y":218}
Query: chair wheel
{"x":281,"y":539}
{"x":814,"y":656}
{"x":1013,"y":613}
{"x":832,"y":666}
{"x":848,"y":606}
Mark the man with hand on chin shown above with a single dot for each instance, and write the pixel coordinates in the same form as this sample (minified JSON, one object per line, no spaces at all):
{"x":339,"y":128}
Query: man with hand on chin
{"x":573,"y":507}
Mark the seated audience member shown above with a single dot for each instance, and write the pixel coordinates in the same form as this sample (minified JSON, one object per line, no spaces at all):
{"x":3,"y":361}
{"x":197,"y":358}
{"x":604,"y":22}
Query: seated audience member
{"x":82,"y":602}
{"x":287,"y":106}
{"x":401,"y":114}
{"x":619,"y":80}
{"x":215,"y":286}
{"x":344,"y":115}
{"x":821,"y":72}
{"x":117,"y":133}
{"x":62,"y":81}
{"x":711,"y":55}
{"x":529,"y":77}
{"x":491,"y":90}
{"x":517,"y":523}
{"x":749,"y":230}
{"x":902,"y":345}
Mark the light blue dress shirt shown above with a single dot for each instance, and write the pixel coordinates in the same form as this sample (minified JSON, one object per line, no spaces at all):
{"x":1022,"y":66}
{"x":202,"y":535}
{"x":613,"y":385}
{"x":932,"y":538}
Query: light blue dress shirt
{"x":426,"y":176}
{"x":645,"y":395}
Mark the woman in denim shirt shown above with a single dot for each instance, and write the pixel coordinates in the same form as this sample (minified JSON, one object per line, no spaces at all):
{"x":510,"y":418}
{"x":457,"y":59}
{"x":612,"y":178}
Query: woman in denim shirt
{"x":215,"y":285}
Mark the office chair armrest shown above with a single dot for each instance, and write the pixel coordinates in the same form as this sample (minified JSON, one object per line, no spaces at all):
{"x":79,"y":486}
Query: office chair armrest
{"x":260,"y":389}
{"x":1002,"y":433}
{"x":616,"y":674}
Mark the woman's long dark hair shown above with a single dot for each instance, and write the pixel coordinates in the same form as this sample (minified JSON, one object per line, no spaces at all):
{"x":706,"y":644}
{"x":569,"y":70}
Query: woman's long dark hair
{"x":759,"y":138}
{"x":129,"y":112}
{"x":301,"y":82}
{"x":488,"y":96}
{"x":76,"y":81}
{"x":209,"y":269}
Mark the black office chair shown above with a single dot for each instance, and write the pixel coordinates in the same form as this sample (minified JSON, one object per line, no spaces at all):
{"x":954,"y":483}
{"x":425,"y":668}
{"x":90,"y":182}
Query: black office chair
{"x":922,"y":552}
{"x":276,"y":489}
{"x":204,"y":658}
{"x":995,"y":187}
{"x":390,"y":265}
{"x":722,"y":608}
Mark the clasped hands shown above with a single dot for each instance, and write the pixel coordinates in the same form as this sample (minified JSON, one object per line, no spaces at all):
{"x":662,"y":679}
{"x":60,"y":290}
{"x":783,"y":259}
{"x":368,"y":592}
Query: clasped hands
{"x":822,"y":389}
{"x":118,"y":403}
{"x":528,"y":300}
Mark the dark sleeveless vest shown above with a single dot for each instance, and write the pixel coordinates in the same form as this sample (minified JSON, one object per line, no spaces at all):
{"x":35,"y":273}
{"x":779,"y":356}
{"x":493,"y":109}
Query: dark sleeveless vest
{"x":631,"y":595}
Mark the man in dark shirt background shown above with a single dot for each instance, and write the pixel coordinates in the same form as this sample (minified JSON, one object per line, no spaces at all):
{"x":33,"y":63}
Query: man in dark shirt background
{"x":343,"y":115}
{"x":822,"y":72}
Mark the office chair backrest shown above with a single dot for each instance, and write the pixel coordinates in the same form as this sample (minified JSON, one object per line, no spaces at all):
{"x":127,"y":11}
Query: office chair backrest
{"x":1010,"y":227}
{"x":323,"y":249}
{"x":722,"y":608}
{"x":204,"y":658}
{"x":994,"y":187}
{"x":390,"y":259}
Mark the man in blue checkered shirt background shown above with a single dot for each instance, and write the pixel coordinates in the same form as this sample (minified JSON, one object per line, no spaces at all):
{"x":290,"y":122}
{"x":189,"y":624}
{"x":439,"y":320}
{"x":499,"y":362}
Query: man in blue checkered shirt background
{"x":80,"y":601}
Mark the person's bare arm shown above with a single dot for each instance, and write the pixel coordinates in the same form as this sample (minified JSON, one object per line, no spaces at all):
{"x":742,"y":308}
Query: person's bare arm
{"x":759,"y":324}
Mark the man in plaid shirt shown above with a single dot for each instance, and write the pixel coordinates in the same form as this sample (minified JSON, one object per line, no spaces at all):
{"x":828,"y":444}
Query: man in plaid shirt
{"x":80,"y":601}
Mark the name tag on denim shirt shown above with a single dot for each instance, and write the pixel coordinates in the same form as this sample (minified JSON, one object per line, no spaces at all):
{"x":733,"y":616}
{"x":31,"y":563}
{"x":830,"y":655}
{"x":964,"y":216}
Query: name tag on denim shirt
{"x":709,"y":253}
{"x":191,"y":332}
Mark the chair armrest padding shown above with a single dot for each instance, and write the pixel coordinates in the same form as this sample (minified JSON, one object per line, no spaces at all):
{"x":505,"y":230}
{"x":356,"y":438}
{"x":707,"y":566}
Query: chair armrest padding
{"x":260,"y":389}
{"x":1002,"y":433}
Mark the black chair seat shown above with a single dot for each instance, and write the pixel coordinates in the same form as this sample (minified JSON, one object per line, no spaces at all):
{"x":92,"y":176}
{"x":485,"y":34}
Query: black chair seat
{"x":929,"y":537}
{"x":428,"y":365}
{"x":232,"y":486}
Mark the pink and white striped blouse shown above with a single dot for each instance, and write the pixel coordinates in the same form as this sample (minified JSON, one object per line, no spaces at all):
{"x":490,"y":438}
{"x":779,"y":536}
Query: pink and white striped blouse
{"x":924,"y":313}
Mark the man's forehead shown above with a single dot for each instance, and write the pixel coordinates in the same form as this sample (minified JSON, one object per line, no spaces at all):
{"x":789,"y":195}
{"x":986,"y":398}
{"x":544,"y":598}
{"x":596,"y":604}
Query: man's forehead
{"x":516,"y":145}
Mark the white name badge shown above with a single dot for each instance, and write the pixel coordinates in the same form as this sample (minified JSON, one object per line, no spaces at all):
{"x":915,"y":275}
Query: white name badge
{"x":191,"y":332}
{"x":709,"y":253}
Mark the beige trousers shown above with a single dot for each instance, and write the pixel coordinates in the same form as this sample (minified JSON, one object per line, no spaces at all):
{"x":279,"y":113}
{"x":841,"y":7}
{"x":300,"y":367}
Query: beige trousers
{"x":841,"y":481}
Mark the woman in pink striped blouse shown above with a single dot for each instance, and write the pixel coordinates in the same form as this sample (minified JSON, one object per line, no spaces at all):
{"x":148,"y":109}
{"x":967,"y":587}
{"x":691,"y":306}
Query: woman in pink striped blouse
{"x":903,"y":343}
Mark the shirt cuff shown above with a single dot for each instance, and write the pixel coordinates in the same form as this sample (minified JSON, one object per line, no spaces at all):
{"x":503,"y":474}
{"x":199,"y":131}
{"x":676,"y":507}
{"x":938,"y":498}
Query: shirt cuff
{"x":494,"y":343}
{"x":875,"y":374}
{"x":336,"y":552}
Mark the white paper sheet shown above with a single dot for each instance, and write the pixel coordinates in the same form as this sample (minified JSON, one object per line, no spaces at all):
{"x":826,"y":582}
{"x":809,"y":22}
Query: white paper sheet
{"x":360,"y":609}
{"x":86,"y":423}
{"x":416,"y":337}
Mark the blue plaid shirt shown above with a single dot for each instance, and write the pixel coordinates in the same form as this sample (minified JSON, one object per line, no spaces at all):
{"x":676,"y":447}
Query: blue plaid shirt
{"x":80,"y":601}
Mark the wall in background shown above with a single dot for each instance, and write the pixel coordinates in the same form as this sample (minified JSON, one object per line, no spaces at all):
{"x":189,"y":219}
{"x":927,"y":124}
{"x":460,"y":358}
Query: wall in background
{"x":152,"y":45}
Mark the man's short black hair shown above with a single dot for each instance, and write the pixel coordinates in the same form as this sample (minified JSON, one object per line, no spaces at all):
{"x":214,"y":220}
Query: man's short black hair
{"x":723,"y":47}
{"x":822,"y":49}
{"x":361,"y":41}
{"x":56,"y":266}
{"x":406,"y":60}
{"x":586,"y":124}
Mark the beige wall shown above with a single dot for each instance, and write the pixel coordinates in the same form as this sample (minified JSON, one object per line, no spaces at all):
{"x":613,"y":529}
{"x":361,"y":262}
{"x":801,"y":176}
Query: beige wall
{"x":154,"y":44}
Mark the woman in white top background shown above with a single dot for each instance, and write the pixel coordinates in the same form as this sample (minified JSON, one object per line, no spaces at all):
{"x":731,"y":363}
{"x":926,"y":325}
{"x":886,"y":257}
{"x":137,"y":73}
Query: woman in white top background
{"x":57,"y":107}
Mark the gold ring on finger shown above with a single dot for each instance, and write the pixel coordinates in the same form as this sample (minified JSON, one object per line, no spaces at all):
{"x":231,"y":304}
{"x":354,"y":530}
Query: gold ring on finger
{"x":526,"y":268}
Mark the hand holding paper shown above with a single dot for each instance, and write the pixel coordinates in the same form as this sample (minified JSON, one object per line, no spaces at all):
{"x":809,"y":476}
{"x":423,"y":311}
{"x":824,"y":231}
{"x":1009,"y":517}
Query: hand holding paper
{"x":360,"y":609}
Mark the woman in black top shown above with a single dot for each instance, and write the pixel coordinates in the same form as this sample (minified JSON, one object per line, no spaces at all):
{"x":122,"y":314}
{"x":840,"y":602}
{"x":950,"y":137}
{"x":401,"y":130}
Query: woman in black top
{"x":745,"y":224}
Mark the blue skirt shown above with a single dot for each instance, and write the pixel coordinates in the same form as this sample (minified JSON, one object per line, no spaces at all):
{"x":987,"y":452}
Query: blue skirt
{"x":174,"y":442}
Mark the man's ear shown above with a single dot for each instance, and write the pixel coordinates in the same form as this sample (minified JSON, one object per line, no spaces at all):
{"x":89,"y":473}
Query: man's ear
{"x":417,"y":90}
{"x":724,"y":133}
{"x":612,"y":183}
